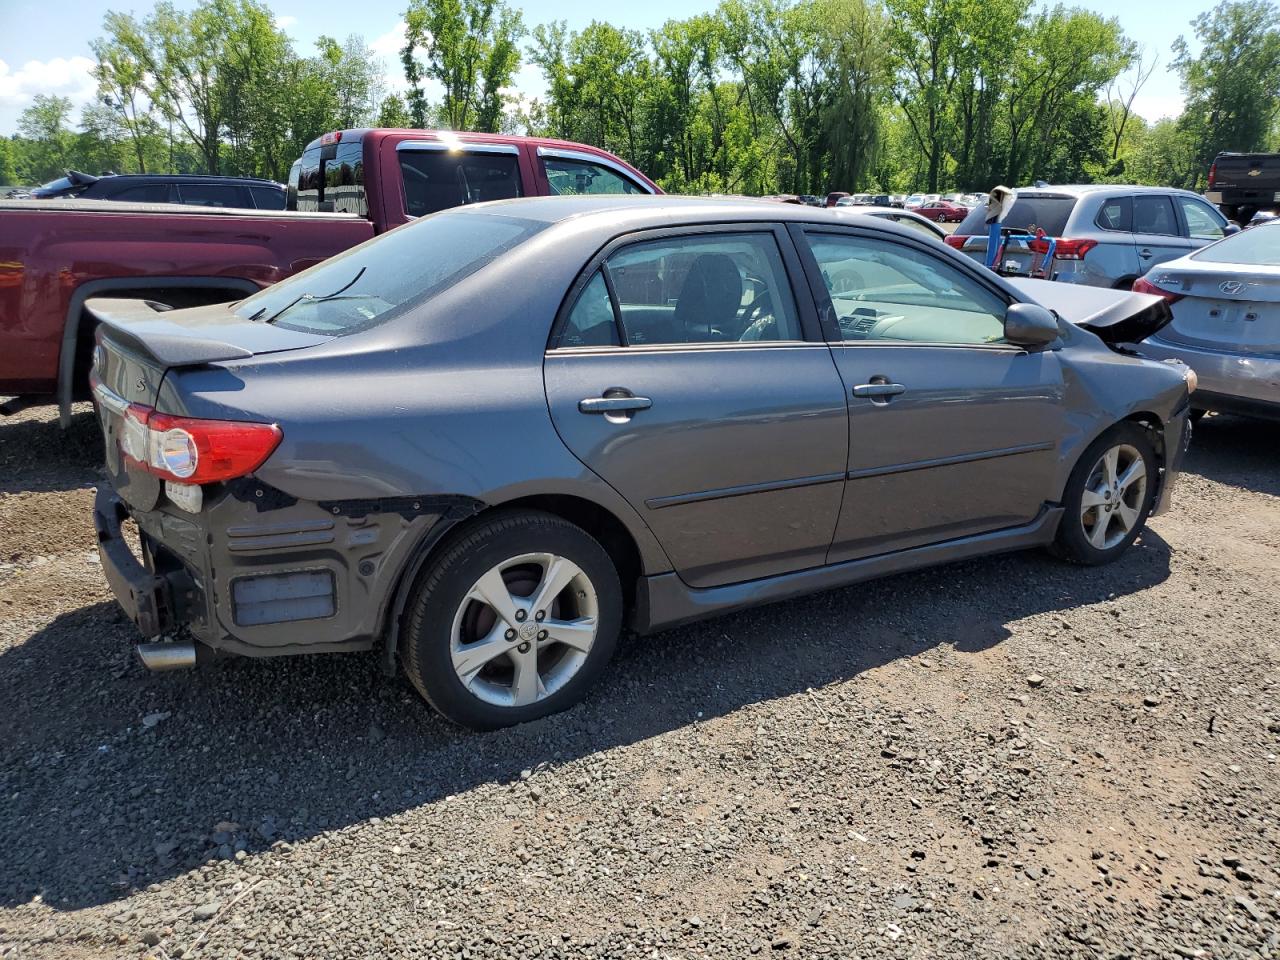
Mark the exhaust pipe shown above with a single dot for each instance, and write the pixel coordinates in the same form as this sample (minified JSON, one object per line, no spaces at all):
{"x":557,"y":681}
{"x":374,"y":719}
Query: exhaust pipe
{"x":167,"y":656}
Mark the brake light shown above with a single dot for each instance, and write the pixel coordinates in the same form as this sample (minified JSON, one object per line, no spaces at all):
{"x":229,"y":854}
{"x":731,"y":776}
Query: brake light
{"x":1213,"y":173}
{"x":952,"y":240}
{"x":1063,"y":248}
{"x":331,"y":138}
{"x":1143,"y":285}
{"x":191,"y":450}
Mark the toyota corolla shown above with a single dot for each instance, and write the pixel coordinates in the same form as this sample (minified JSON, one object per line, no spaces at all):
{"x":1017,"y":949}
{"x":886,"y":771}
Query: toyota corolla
{"x":487,"y":442}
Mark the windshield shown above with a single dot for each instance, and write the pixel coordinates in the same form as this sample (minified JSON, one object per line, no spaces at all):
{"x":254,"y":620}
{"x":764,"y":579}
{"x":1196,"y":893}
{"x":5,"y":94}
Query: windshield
{"x":1030,"y":211}
{"x":379,"y":279}
{"x":1256,"y":247}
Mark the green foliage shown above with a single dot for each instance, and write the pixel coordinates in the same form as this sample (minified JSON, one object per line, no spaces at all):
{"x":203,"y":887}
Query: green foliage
{"x":756,"y":97}
{"x":469,"y":47}
{"x":1233,"y":86}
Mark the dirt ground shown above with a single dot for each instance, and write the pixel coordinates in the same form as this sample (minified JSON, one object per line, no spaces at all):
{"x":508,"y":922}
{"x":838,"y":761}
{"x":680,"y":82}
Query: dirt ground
{"x":1004,"y":758}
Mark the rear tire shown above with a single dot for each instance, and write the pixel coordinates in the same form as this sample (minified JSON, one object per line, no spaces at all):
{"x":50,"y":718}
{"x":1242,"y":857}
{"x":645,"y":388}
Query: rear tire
{"x":1108,"y":497}
{"x":514,"y":620}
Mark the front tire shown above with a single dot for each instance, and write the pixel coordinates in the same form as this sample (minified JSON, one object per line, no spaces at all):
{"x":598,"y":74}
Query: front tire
{"x":1108,"y":496}
{"x":513,"y":621}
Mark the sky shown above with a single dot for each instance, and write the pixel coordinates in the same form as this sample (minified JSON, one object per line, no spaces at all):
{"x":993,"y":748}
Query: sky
{"x":46,"y":49}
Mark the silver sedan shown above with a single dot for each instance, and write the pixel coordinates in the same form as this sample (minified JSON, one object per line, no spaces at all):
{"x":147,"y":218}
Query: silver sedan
{"x":1225,"y":300}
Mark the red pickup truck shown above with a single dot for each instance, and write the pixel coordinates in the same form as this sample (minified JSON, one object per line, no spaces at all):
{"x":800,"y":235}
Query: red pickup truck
{"x":347,"y":187}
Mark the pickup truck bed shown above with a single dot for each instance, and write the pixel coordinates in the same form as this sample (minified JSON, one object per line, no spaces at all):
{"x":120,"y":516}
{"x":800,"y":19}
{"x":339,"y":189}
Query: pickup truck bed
{"x":170,"y":253}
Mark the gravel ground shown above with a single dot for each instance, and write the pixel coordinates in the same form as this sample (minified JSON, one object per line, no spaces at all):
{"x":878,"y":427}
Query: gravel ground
{"x":1005,"y":758}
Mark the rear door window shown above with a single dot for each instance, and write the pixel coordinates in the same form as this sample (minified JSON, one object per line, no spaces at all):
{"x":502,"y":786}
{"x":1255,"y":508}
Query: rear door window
{"x":1116,"y":214}
{"x":1153,"y":215}
{"x":344,"y":180}
{"x":1029,"y":212}
{"x":438,"y":179}
{"x":143,"y":193}
{"x":213,"y":195}
{"x":579,"y":177}
{"x":267,"y":198}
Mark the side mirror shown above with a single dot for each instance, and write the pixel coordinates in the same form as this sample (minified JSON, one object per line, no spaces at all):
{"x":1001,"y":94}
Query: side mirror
{"x":1030,"y":325}
{"x":1230,"y":228}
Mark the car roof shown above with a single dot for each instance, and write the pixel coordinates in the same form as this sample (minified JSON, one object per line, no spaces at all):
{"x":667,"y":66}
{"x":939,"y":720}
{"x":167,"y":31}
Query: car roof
{"x":1083,"y":189}
{"x":184,"y":178}
{"x":638,"y":212}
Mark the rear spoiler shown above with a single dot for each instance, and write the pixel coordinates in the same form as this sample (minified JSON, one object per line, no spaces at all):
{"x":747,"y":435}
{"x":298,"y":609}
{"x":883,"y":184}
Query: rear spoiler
{"x":139,"y":326}
{"x":1115,"y":316}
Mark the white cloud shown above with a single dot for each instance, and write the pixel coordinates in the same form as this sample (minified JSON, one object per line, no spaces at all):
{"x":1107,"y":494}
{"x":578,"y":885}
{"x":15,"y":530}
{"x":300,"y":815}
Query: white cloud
{"x":390,"y":43}
{"x":64,"y":77}
{"x":285,"y":22}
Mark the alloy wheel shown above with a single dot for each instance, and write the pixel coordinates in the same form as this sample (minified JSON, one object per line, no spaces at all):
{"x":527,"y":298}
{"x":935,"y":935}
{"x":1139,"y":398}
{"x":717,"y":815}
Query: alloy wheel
{"x":524,"y":629}
{"x":1113,"y":496}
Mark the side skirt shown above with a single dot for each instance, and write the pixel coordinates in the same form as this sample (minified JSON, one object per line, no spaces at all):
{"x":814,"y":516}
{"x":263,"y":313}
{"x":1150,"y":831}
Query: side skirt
{"x":665,"y":601}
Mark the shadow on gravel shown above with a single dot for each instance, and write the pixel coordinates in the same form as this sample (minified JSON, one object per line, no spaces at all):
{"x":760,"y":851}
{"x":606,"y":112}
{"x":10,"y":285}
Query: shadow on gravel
{"x":114,"y":778}
{"x":36,"y":454}
{"x":1238,"y":451}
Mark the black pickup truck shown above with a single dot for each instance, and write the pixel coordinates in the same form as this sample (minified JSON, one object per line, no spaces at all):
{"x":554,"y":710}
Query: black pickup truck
{"x":1241,"y":184}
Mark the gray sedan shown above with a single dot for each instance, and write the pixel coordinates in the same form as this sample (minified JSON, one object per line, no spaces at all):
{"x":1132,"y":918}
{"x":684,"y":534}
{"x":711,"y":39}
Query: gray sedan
{"x":484,"y":443}
{"x":1226,"y":320}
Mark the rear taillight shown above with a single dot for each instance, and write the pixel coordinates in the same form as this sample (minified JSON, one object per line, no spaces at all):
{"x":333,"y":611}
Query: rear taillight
{"x":954,"y":241}
{"x":189,"y":450}
{"x":1063,"y":248}
{"x":1213,"y":173}
{"x":1143,"y":285}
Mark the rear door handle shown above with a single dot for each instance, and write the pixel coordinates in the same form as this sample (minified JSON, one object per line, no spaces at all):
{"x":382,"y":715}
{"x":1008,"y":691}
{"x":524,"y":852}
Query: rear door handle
{"x":878,"y":390}
{"x":614,"y":404}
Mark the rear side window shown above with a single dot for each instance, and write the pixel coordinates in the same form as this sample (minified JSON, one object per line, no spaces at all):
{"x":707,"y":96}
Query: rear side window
{"x":267,"y":198}
{"x":1030,"y":211}
{"x":304,"y":181}
{"x":383,"y":277}
{"x":578,"y":177}
{"x":213,"y":195}
{"x":1116,"y":214}
{"x":436,"y":179}
{"x":344,"y":180}
{"x":591,"y":321}
{"x":1203,"y":223}
{"x":1153,"y":214}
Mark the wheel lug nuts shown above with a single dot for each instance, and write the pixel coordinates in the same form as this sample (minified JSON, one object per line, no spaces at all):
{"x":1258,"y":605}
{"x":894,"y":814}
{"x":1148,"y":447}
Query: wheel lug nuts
{"x":520,"y":615}
{"x":539,"y":616}
{"x":511,"y":634}
{"x":542,"y":634}
{"x":523,"y":648}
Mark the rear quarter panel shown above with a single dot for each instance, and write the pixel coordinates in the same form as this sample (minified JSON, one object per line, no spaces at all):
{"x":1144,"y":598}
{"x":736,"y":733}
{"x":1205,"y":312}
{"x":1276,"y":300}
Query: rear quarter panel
{"x":45,"y":255}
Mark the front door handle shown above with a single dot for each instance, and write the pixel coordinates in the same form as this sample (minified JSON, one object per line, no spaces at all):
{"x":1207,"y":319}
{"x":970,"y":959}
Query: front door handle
{"x":878,"y":390}
{"x":1144,"y":254}
{"x":614,"y":404}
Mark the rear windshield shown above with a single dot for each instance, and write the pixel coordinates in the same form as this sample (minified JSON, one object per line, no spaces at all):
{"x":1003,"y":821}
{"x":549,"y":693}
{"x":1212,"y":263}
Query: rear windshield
{"x":382,"y":278}
{"x":1256,"y":247}
{"x":1049,"y":211}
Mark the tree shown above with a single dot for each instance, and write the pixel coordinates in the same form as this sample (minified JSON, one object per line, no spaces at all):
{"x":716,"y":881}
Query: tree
{"x":1121,"y":93}
{"x":122,"y":85}
{"x":393,"y":112}
{"x":471,"y":48}
{"x":44,"y":126}
{"x":1233,"y":87}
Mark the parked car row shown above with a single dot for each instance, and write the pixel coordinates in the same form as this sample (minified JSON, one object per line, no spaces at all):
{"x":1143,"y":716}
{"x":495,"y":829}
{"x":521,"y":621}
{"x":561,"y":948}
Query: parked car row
{"x":192,"y":190}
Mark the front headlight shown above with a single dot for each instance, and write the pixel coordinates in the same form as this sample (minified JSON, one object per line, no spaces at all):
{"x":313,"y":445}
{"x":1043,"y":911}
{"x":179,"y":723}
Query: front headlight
{"x":1192,"y":380}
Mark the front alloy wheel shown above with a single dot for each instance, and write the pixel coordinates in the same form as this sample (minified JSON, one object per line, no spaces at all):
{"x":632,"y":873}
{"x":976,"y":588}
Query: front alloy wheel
{"x":513,"y":620}
{"x":1113,"y":496}
{"x":1108,"y":496}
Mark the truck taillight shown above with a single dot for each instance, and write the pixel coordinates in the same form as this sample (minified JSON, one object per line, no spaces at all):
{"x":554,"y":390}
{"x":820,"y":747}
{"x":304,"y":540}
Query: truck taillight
{"x":331,"y":138}
{"x":1143,"y":285}
{"x":954,"y":241}
{"x":1213,"y":174}
{"x":191,"y":450}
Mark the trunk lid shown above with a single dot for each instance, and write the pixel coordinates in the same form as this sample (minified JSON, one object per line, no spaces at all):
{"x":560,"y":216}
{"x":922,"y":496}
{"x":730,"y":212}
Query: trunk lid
{"x":1115,"y":316}
{"x":1224,"y":307}
{"x":139,"y":341}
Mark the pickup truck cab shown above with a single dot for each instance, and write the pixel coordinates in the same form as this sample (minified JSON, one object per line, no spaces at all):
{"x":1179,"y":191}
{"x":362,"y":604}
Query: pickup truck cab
{"x":347,"y":187}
